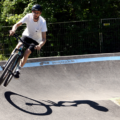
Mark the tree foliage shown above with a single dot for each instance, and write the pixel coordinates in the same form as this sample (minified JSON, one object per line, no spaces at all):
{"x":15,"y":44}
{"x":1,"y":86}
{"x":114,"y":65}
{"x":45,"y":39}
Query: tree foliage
{"x":60,"y":10}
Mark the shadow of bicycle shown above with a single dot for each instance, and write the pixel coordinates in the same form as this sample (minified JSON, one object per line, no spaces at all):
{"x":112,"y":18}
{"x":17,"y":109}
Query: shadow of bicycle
{"x":43,"y":107}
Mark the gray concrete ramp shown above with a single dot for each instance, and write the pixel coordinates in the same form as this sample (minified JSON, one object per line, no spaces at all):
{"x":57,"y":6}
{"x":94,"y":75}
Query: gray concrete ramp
{"x":68,"y":88}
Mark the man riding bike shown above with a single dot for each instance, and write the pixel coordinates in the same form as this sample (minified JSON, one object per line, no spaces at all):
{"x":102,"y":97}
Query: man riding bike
{"x":34,"y":34}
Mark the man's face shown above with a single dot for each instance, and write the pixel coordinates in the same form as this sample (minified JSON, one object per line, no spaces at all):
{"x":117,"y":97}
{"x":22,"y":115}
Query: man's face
{"x":36,"y":14}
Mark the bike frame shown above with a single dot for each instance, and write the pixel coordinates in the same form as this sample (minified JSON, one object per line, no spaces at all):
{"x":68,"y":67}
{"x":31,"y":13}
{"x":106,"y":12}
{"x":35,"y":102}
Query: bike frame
{"x":19,"y":53}
{"x":12,"y":63}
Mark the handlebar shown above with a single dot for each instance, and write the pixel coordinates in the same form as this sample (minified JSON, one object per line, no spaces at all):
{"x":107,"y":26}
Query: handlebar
{"x":24,"y":43}
{"x":17,"y":37}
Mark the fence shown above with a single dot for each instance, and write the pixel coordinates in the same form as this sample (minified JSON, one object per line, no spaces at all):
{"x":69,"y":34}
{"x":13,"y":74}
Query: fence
{"x":72,"y":38}
{"x":110,"y":35}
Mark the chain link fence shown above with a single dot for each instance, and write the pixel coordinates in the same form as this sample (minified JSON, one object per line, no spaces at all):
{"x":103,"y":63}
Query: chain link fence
{"x":71,"y":38}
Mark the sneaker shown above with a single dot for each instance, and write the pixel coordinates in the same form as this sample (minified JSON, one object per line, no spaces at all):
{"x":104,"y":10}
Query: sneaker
{"x":16,"y":74}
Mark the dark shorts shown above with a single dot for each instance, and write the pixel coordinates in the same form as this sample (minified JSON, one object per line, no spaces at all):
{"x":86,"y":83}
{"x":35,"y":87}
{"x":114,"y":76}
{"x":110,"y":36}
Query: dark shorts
{"x":30,"y":41}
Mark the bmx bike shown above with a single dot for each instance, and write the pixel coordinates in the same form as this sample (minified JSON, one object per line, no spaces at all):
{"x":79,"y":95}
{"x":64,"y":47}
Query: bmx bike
{"x":12,"y":63}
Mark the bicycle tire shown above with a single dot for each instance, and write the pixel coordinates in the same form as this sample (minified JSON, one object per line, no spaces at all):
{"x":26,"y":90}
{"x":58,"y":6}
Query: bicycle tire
{"x":12,"y":68}
{"x":5,"y":71}
{"x":10,"y":76}
{"x":4,"y":74}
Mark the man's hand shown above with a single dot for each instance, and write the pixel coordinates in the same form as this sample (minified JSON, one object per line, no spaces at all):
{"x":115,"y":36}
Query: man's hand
{"x":11,"y":33}
{"x":37,"y":47}
{"x":14,"y":28}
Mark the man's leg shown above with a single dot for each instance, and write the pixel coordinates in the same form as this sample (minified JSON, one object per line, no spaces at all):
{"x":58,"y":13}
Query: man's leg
{"x":27,"y":53}
{"x":25,"y":57}
{"x":17,"y":46}
{"x":22,"y":62}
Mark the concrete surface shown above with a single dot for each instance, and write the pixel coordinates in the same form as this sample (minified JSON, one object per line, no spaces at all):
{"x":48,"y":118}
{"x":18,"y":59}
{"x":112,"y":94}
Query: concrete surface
{"x":78,"y":91}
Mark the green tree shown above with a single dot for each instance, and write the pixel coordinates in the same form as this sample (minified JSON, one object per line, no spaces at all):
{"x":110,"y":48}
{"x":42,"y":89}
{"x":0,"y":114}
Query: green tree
{"x":60,"y":10}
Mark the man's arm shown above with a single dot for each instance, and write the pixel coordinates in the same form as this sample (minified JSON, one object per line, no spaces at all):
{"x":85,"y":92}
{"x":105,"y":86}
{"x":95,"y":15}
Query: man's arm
{"x":38,"y":47}
{"x":14,"y":28}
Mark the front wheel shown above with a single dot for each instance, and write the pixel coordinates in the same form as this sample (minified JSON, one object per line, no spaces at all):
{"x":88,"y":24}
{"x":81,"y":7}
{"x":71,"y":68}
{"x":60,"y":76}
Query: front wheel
{"x":9,"y":69}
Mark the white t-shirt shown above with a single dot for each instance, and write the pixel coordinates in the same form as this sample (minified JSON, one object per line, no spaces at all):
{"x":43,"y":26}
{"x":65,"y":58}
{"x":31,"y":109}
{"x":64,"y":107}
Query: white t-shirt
{"x":34,"y":29}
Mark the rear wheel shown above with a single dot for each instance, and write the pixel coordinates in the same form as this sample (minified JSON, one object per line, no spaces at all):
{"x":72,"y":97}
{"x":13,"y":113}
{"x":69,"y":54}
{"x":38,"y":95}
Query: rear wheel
{"x":9,"y":69}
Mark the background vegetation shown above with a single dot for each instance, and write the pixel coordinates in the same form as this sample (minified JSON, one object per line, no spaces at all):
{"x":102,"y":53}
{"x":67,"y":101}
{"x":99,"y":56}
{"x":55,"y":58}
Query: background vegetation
{"x":60,"y":10}
{"x":55,"y":11}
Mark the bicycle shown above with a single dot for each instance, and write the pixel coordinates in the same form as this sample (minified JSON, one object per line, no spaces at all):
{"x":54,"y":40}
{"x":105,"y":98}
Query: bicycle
{"x":12,"y":63}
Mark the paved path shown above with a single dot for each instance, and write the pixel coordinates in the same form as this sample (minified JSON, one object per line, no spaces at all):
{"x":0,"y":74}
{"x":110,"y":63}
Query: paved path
{"x":63,"y":89}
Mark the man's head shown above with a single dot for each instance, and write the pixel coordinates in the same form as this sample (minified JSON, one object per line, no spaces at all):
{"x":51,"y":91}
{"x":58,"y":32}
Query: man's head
{"x":36,"y":10}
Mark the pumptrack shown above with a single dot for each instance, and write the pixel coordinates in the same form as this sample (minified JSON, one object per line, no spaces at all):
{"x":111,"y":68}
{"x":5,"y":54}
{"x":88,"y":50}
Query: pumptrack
{"x":84,"y":87}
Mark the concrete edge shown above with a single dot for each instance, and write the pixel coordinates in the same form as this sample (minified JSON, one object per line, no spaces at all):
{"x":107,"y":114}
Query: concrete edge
{"x":68,"y":57}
